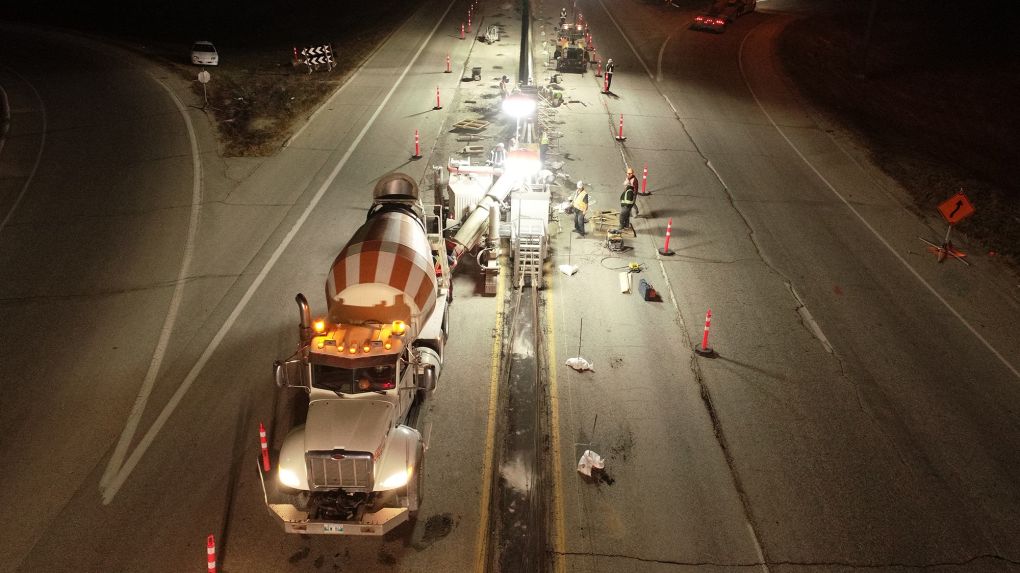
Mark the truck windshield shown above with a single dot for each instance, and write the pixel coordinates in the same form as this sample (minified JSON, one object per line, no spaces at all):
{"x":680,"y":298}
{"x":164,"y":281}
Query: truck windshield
{"x":354,"y":380}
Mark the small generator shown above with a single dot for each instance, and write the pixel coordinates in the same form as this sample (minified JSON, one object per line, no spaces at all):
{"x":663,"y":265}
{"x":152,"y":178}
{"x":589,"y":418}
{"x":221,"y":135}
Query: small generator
{"x":614,"y":240}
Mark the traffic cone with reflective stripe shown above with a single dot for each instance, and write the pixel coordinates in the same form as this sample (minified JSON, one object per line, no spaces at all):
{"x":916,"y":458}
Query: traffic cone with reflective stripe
{"x":417,"y":148}
{"x":620,"y":136}
{"x":665,"y":251}
{"x":210,"y":551}
{"x":704,"y":349}
{"x":264,"y":445}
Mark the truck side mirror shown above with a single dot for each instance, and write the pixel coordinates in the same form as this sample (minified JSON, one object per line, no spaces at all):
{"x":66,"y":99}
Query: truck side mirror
{"x":288,"y":374}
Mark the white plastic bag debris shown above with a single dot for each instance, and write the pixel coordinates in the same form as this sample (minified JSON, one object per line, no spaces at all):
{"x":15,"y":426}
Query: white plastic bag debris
{"x":589,"y":461}
{"x":568,"y":270}
{"x":580,"y":364}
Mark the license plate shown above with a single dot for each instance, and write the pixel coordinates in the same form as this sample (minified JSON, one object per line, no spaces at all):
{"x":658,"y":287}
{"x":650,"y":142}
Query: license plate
{"x":333,"y":527}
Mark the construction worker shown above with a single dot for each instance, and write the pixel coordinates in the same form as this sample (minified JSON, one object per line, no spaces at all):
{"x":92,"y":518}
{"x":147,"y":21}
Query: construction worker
{"x":631,"y":181}
{"x":504,"y":88}
{"x":543,"y":146}
{"x":580,"y":204}
{"x":610,"y":66}
{"x":498,"y":155}
{"x":626,"y":204}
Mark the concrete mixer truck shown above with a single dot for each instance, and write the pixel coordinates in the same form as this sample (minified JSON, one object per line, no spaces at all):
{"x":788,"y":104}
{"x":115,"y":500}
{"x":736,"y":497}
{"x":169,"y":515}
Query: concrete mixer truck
{"x":354,"y":467}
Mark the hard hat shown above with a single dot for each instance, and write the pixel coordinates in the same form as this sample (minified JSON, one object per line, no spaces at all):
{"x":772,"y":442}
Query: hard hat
{"x":580,"y":185}
{"x":610,"y":60}
{"x":630,"y":170}
{"x":500,"y":146}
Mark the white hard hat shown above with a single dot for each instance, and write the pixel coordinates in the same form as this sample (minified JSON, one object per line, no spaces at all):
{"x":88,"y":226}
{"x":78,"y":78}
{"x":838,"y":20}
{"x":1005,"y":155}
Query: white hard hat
{"x":500,"y":145}
{"x":580,"y":185}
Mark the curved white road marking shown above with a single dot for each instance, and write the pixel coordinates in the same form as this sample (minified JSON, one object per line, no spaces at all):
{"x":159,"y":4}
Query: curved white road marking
{"x":881,"y":239}
{"x":658,"y":65}
{"x":143,"y":445}
{"x":626,"y":39}
{"x":131,"y":427}
{"x":38,"y":157}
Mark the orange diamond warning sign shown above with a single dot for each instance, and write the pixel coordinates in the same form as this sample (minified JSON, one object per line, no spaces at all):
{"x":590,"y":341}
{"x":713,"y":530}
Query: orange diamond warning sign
{"x":956,"y":208}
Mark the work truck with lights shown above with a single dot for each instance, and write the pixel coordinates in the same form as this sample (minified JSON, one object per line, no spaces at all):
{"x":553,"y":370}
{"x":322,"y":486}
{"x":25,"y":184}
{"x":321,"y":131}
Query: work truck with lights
{"x":354,"y":467}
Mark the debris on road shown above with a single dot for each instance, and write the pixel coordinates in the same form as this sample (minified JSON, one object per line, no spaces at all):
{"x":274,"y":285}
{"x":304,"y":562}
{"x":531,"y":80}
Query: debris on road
{"x":590,"y":461}
{"x":580,"y":364}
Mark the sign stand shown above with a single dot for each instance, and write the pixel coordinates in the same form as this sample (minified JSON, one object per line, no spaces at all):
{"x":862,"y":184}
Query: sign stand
{"x":203,"y":78}
{"x":946,"y":248}
{"x":953,"y":210}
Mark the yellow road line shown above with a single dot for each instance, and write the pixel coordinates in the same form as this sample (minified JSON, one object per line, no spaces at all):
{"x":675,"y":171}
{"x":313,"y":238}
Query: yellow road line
{"x":481,"y":543}
{"x":559,"y":536}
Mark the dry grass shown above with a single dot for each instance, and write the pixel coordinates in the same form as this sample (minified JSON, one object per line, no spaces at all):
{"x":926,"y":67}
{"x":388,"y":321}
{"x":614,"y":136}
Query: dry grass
{"x":937,"y":106}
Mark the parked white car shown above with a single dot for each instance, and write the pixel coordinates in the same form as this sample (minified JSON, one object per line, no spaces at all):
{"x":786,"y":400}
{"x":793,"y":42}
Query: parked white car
{"x":204,"y":54}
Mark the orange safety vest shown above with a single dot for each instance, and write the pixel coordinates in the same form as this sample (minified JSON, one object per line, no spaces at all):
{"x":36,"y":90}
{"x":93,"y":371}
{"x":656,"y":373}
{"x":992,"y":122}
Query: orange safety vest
{"x":581,"y":201}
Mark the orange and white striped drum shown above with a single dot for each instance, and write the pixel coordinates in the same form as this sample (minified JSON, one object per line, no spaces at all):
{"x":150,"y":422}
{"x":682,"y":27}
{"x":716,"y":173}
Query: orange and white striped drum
{"x":385,"y":273}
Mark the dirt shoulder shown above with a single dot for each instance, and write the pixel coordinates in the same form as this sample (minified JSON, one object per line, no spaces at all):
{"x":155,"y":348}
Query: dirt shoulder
{"x":936,"y":106}
{"x":257,"y":96}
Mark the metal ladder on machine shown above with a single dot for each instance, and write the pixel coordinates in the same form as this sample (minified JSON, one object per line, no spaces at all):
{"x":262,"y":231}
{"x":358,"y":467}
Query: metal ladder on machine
{"x":529,"y":254}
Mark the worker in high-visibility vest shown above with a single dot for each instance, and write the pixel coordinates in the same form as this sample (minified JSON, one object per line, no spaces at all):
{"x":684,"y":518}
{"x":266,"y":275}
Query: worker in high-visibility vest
{"x":626,"y":204}
{"x":632,"y":181}
{"x":608,"y":75}
{"x":580,"y":204}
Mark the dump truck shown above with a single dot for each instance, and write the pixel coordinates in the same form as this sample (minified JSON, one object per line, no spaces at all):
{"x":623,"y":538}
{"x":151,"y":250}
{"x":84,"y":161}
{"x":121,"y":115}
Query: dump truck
{"x":354,"y":466}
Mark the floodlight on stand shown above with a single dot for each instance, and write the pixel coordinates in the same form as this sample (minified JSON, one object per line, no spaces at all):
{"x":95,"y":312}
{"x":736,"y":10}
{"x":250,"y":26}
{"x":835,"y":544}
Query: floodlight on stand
{"x":519,"y":106}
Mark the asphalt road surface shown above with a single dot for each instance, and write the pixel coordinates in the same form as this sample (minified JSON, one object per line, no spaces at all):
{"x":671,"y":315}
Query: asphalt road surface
{"x":861,"y":412}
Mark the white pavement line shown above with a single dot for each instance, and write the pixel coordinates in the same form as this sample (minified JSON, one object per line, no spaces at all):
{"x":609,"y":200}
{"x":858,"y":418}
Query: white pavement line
{"x":658,"y":65}
{"x":164,"y":415}
{"x":38,"y":157}
{"x":881,"y":239}
{"x":812,"y":324}
{"x":757,"y":547}
{"x":131,"y":427}
{"x":626,"y":39}
{"x":5,"y":103}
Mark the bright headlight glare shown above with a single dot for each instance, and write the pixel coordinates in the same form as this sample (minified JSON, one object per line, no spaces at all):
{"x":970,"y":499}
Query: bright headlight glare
{"x":289,"y":479}
{"x":396,"y":480}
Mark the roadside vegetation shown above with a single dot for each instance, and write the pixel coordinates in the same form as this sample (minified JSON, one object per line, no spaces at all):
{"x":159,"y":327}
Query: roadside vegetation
{"x":936,"y":102}
{"x":256,"y":94}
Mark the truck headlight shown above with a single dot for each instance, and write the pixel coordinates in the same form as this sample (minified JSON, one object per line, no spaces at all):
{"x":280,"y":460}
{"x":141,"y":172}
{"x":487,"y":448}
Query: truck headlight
{"x":289,"y":479}
{"x":396,"y":480}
